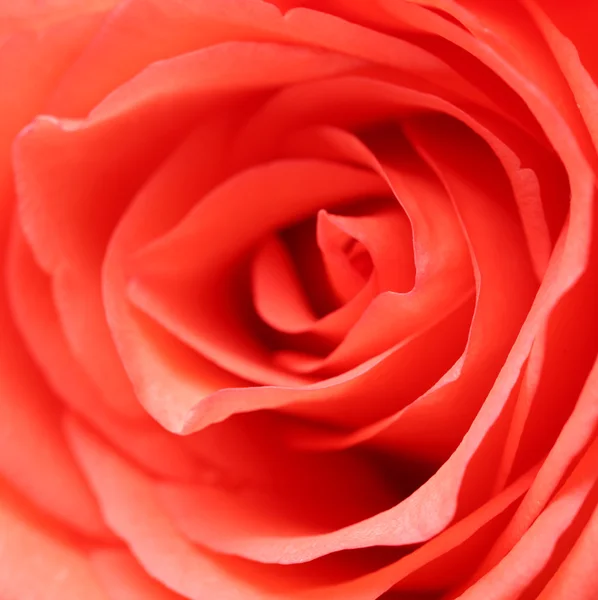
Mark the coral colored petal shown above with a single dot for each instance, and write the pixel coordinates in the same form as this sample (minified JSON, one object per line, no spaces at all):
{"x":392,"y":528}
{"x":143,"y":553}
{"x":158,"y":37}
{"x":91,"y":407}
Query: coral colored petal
{"x":334,"y":243}
{"x":339,"y":400}
{"x":441,"y":257}
{"x":559,"y":374}
{"x":31,"y":63}
{"x":134,"y":512}
{"x":69,"y":232}
{"x":574,"y":54}
{"x":261,"y":494}
{"x":560,"y":123}
{"x":174,"y":290}
{"x":68,"y":229}
{"x":156,"y":31}
{"x":30,"y":295}
{"x":32,"y":14}
{"x":385,"y":232}
{"x":506,"y":283}
{"x":490,"y":221}
{"x":278,"y":295}
{"x":281,"y":301}
{"x":166,"y":28}
{"x":38,"y":565}
{"x":480,"y":442}
{"x":187,"y":392}
{"x":161,"y":367}
{"x":526,"y":568}
{"x":124,"y":579}
{"x":229,"y":67}
{"x":444,"y":561}
{"x":536,"y":175}
{"x":33,"y":453}
{"x":488,"y":29}
{"x":575,"y":436}
{"x":577,"y":577}
{"x":35,"y":314}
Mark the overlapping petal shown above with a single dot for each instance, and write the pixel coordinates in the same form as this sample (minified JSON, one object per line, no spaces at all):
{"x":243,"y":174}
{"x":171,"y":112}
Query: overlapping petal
{"x":350,"y":277}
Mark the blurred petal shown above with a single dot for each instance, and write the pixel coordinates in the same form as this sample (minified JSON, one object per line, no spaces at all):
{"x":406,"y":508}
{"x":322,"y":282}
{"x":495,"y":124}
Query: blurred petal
{"x":38,"y":565}
{"x":123,"y":578}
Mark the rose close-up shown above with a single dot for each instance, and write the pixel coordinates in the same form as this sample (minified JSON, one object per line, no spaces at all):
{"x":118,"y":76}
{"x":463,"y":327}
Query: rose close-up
{"x":299,"y":300}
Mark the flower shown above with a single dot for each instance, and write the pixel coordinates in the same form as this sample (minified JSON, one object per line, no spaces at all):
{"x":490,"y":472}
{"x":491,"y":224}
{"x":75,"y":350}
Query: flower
{"x":299,"y":299}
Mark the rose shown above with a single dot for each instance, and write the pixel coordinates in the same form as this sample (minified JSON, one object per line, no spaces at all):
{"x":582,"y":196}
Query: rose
{"x":410,"y":408}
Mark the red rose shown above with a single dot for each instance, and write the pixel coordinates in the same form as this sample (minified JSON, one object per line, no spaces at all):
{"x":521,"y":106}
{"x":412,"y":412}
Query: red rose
{"x":299,"y":299}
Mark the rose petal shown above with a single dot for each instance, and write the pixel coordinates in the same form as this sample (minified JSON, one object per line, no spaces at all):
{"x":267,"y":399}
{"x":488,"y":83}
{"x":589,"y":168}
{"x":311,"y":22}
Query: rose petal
{"x":30,"y":65}
{"x":36,"y":316}
{"x":441,"y":259}
{"x":133,"y":511}
{"x":577,"y":576}
{"x":33,"y":453}
{"x":31,"y":14}
{"x":69,"y":233}
{"x":278,"y":294}
{"x":576,"y":434}
{"x":474,"y":479}
{"x":562,"y":126}
{"x":280,"y":300}
{"x":124,"y":578}
{"x":485,"y":37}
{"x":528,"y":566}
{"x":167,"y":28}
{"x":536,"y":175}
{"x":184,"y":387}
{"x":37,"y":564}
{"x":167,"y":290}
{"x":30,"y":295}
{"x":427,"y":417}
{"x":559,"y":363}
{"x":571,"y":41}
{"x":336,"y":246}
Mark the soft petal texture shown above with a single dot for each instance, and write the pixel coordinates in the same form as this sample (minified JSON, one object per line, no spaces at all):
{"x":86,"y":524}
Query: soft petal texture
{"x":576,"y":577}
{"x":124,"y":578}
{"x":30,"y":65}
{"x":61,"y":231}
{"x":202,"y":234}
{"x":36,"y":562}
{"x":560,"y":523}
{"x":163,"y":287}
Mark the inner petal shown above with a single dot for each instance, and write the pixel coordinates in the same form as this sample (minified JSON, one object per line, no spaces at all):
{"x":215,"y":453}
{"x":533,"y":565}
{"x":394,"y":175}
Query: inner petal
{"x":377,"y":241}
{"x":347,"y":261}
{"x":185,"y":290}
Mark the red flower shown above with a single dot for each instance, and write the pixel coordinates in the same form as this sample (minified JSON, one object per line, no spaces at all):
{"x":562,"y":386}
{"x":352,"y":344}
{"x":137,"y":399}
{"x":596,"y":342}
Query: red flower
{"x":299,"y":299}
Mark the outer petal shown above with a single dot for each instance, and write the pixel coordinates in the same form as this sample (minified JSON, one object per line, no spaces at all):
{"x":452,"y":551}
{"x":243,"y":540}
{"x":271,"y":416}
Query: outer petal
{"x":124,"y":578}
{"x":36,"y":563}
